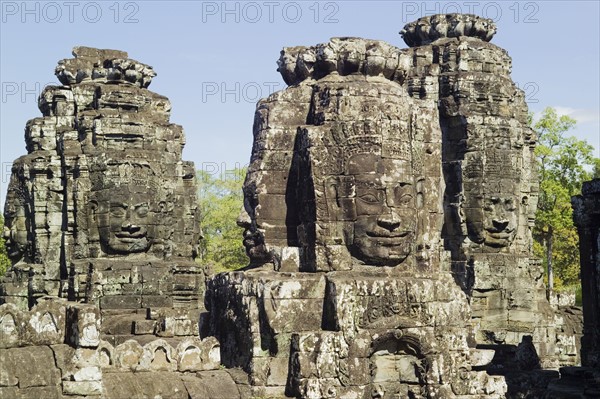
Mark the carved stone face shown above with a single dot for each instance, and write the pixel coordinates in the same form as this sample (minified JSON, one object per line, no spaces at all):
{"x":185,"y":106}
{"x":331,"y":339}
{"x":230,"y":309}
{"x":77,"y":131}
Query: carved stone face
{"x":124,"y":221}
{"x":254,"y":242}
{"x":286,"y":65}
{"x":385,"y":206}
{"x":15,"y":230}
{"x":499,"y":220}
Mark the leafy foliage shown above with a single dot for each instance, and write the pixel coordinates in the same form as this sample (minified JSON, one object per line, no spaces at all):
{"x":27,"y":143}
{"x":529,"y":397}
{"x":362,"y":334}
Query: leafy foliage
{"x":220,"y":199}
{"x":596,"y":172}
{"x":4,"y":261}
{"x":564,"y":163}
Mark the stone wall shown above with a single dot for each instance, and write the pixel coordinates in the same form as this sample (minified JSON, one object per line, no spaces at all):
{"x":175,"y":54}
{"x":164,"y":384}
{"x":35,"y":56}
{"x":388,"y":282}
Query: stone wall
{"x":55,"y":349}
{"x":584,"y":381}
{"x":586,"y":214}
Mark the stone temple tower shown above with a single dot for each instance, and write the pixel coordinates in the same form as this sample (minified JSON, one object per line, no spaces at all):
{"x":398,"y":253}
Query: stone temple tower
{"x":103,"y":183}
{"x":389,"y":199}
{"x":388,"y":210}
{"x":102,"y":230}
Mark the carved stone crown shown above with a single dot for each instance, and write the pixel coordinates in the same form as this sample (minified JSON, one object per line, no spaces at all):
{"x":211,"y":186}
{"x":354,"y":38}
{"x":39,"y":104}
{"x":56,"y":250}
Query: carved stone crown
{"x":428,"y":29}
{"x":91,"y":64}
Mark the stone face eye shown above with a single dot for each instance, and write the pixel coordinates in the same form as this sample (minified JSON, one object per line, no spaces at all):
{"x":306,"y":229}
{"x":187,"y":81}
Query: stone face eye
{"x":509,"y":205}
{"x":142,"y":210}
{"x":403,"y":194}
{"x":118,"y":210}
{"x":405,"y":199}
{"x":369,"y":199}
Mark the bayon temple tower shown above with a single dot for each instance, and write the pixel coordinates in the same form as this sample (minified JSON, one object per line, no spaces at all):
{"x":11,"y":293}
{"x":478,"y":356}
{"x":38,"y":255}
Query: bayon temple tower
{"x":388,"y":208}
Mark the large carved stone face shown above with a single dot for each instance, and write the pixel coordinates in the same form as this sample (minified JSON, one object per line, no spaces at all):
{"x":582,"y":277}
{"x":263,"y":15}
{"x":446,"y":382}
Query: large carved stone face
{"x":15,"y":236}
{"x":254,"y":242}
{"x":15,"y":228}
{"x":385,"y":205}
{"x":124,"y":220}
{"x":499,"y":220}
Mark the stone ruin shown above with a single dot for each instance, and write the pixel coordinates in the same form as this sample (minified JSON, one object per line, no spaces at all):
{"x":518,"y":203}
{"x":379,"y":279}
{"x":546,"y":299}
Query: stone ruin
{"x":102,"y":230}
{"x":586,"y":216}
{"x":390,"y":198}
{"x":584,"y":382}
{"x":388,"y":211}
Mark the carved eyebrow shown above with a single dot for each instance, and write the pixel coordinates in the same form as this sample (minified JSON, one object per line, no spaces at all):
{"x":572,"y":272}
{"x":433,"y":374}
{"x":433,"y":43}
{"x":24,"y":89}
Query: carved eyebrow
{"x":369,"y":184}
{"x":141,"y":204}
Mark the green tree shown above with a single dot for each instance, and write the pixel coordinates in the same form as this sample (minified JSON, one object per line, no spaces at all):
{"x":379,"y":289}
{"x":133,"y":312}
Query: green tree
{"x":4,"y":261}
{"x":596,"y":173}
{"x":221,"y":199}
{"x":564,"y":163}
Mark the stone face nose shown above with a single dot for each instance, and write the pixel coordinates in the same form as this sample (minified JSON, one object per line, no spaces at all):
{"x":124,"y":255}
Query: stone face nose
{"x":390,"y":222}
{"x":243,"y":219}
{"x":500,"y":224}
{"x":130,"y":227}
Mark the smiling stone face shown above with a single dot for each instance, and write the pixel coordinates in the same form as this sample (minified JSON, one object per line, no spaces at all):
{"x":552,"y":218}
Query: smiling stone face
{"x":494,"y":221}
{"x":15,"y":231}
{"x":124,"y":220}
{"x":500,"y":220}
{"x":385,"y":207}
{"x":16,"y":223}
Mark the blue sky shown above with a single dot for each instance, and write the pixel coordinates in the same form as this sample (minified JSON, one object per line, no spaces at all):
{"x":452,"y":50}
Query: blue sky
{"x":215,"y":59}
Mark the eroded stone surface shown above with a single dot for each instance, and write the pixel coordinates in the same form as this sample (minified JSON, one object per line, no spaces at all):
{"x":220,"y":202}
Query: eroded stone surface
{"x":584,"y":381}
{"x":586,"y":211}
{"x":102,"y":230}
{"x":128,"y":194}
{"x":405,"y":180}
{"x":430,"y":28}
{"x":388,"y":208}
